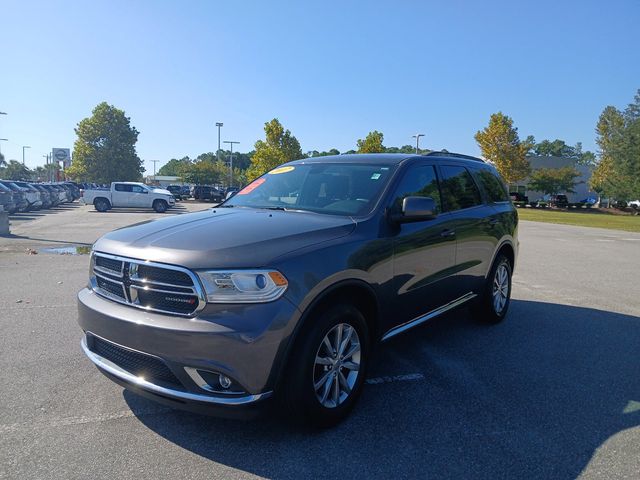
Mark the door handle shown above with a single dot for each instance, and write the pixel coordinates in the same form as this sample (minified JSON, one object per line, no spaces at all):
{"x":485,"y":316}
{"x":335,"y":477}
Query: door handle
{"x":447,"y":233}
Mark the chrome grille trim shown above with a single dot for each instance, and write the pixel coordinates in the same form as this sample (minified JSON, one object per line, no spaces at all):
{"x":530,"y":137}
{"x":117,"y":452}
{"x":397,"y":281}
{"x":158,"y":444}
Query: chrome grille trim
{"x":132,"y":284}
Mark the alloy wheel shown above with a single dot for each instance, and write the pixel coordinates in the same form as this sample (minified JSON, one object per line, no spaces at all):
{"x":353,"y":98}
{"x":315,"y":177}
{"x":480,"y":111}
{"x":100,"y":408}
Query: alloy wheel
{"x":500,"y":288}
{"x":337,"y":365}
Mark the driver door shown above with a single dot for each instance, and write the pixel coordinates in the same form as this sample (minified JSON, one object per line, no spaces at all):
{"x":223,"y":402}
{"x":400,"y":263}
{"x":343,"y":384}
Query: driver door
{"x":139,"y":196}
{"x":424,"y":253}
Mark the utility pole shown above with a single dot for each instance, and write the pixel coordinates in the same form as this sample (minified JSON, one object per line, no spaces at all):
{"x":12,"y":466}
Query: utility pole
{"x":417,"y":137}
{"x":219,"y":124}
{"x":3,"y":139}
{"x":23,"y":149}
{"x":154,"y":168}
{"x":230,"y":162}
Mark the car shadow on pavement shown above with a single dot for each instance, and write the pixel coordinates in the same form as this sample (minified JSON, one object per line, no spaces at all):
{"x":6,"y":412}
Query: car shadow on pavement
{"x":533,"y":397}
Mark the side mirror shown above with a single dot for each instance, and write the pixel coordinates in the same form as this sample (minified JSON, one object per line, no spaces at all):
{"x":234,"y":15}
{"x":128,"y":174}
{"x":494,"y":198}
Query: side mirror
{"x":416,"y":209}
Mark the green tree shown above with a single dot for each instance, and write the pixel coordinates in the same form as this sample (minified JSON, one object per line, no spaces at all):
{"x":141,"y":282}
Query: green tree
{"x":105,"y":149}
{"x":316,"y":153}
{"x":372,"y":143}
{"x":173,"y":167}
{"x":501,"y":145}
{"x":200,"y":173}
{"x":16,"y":171}
{"x":618,"y":136}
{"x":554,"y":180}
{"x":279,"y":147}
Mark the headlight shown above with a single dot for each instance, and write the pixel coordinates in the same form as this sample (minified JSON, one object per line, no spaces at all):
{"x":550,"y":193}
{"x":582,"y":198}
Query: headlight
{"x":243,"y":286}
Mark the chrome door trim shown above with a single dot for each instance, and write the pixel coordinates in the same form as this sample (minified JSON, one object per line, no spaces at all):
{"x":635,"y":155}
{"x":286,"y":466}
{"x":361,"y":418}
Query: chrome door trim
{"x":423,"y":318}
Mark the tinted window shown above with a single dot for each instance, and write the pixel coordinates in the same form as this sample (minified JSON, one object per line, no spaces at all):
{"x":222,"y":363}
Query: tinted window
{"x":458,"y":189}
{"x":492,"y":186}
{"x":123,"y":187}
{"x":417,"y":181}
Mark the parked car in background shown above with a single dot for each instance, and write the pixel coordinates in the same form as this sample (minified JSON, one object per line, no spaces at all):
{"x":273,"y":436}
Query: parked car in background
{"x":635,"y":204}
{"x":129,"y":195}
{"x":285,"y":290}
{"x":57,"y":197}
{"x":207,"y":193}
{"x":518,"y":197}
{"x":34,"y":197}
{"x":559,"y":201}
{"x":176,"y":191}
{"x":19,"y":195}
{"x":47,"y":197}
{"x":73,"y":188}
{"x":7,"y":200}
{"x":186,"y":191}
{"x":230,"y":192}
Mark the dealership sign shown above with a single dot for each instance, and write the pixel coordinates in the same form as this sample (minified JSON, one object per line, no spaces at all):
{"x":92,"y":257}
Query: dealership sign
{"x":62,"y":155}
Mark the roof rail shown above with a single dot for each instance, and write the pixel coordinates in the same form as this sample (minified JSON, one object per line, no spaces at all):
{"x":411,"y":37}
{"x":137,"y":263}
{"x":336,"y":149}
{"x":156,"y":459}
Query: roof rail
{"x":454,"y":155}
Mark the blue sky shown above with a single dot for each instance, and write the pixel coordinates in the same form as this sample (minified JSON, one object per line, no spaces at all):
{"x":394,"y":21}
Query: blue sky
{"x":330,"y":71}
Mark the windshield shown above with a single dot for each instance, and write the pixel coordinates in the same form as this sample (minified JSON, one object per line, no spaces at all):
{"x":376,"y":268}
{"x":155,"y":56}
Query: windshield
{"x":331,"y":188}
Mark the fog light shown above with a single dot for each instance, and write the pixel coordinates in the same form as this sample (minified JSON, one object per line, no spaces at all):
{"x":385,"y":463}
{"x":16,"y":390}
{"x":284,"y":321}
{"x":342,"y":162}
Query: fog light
{"x":225,"y":382}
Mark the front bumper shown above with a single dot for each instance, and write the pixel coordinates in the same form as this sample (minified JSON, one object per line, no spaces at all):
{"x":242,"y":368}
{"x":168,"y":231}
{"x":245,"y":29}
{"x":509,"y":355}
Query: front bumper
{"x":244,"y":342}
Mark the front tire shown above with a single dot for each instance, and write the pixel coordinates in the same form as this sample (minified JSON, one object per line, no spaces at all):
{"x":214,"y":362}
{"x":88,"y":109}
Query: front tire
{"x":493,"y":302}
{"x":160,"y":206}
{"x":327,"y":368}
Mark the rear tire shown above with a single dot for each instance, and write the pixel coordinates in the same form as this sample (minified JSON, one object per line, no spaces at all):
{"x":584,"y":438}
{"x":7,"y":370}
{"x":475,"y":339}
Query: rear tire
{"x":493,"y":303}
{"x":101,"y":205}
{"x":160,"y":206}
{"x":332,"y":355}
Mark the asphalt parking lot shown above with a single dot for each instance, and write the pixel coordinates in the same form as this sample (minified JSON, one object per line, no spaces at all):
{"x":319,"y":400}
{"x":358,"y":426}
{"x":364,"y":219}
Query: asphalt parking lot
{"x":553,"y":392}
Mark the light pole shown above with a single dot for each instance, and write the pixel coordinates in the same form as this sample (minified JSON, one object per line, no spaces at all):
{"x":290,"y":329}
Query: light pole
{"x":46,"y":163}
{"x":154,"y":168}
{"x":2,"y":140}
{"x":23,"y":149}
{"x":219,"y":124}
{"x":230,"y":162}
{"x":417,"y":137}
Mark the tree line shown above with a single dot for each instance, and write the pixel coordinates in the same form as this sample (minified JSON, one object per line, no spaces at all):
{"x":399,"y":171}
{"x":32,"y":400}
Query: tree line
{"x":105,"y":151}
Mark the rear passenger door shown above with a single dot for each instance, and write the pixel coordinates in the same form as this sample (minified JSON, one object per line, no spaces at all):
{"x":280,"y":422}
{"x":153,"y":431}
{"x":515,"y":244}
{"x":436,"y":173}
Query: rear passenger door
{"x":423,"y":252}
{"x":472,"y":221}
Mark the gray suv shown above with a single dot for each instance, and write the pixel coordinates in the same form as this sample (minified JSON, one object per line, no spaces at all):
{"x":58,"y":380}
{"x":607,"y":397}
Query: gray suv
{"x":283,"y":291}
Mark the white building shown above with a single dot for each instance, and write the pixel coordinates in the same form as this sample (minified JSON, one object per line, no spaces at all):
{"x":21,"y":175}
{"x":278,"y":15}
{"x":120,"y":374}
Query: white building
{"x":162,"y":180}
{"x":582,"y":182}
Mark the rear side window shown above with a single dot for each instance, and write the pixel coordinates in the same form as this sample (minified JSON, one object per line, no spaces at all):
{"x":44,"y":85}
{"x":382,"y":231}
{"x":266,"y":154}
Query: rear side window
{"x":492,"y":186}
{"x":459,"y":191}
{"x":123,"y":187}
{"x":417,"y":181}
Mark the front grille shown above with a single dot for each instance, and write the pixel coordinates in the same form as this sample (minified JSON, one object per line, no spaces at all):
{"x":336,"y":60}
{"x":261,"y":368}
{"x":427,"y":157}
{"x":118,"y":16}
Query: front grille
{"x":152,"y":369}
{"x":154,"y":287}
{"x":109,"y":264}
{"x":113,"y":288}
{"x":162,"y":275}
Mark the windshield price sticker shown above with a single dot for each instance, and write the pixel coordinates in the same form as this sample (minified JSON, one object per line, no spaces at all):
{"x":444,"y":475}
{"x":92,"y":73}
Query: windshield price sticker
{"x":252,"y":186}
{"x":281,"y":170}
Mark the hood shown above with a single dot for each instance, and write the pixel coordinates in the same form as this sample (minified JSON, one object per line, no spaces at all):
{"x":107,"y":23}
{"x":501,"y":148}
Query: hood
{"x":161,"y":191}
{"x":224,"y":237}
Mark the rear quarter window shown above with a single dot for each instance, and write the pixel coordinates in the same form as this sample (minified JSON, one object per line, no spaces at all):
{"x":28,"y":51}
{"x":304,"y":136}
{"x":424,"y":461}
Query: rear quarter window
{"x":493,"y":187}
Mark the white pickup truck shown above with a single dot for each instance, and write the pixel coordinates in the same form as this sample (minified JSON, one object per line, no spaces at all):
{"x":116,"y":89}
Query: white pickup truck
{"x":128,"y":195}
